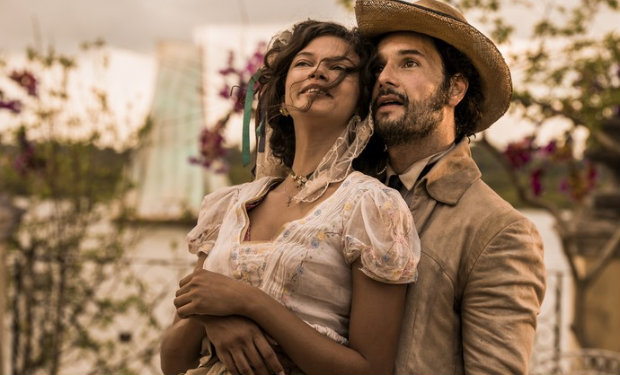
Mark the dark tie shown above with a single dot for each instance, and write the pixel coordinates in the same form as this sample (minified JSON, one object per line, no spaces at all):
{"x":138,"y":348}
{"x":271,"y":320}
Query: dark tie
{"x":395,"y":183}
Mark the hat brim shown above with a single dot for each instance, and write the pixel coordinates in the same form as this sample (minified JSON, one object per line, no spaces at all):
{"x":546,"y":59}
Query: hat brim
{"x":378,"y":17}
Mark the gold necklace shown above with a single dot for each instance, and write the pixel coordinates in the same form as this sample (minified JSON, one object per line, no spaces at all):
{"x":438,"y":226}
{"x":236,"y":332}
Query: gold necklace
{"x":300,"y":180}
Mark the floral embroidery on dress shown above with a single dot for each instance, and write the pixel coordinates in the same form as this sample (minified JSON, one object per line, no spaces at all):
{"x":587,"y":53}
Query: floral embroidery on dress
{"x":308,"y":267}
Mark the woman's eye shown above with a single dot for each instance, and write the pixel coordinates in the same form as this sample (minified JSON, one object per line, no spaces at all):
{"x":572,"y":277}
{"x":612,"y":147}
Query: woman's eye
{"x":302,"y":63}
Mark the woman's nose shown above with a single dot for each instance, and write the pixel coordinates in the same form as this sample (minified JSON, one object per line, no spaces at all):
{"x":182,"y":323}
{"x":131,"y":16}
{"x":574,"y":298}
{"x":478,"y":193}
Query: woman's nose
{"x":318,"y":73}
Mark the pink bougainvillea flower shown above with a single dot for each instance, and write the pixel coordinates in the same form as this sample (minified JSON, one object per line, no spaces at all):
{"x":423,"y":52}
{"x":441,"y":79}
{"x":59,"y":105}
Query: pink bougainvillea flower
{"x":581,"y":181}
{"x":239,"y":97}
{"x":27,"y":159}
{"x":26,"y":80}
{"x":549,"y":148}
{"x":211,"y":147}
{"x":225,"y":92}
{"x":520,"y":153}
{"x":227,"y":71}
{"x":234,"y":88}
{"x":591,"y":175}
{"x":535,"y":181}
{"x":236,"y":79}
{"x":14,"y":106}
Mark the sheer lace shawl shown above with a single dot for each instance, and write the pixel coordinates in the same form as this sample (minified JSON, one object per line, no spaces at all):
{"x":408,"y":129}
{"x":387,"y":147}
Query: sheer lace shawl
{"x":334,"y":167}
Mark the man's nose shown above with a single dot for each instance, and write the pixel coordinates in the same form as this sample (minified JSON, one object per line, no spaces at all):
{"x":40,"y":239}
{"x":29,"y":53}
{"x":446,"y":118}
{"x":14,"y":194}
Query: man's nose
{"x":386,"y":77}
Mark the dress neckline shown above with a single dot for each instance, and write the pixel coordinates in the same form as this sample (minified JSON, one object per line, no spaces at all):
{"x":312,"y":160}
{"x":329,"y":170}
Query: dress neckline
{"x":269,"y":185}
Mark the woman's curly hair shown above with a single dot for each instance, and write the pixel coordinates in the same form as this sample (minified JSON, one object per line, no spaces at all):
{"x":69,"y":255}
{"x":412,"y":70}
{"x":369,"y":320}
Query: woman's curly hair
{"x":277,"y":61}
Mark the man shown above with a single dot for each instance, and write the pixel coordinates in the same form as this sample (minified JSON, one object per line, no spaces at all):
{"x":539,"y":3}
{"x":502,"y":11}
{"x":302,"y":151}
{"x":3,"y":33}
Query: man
{"x":481,"y":277}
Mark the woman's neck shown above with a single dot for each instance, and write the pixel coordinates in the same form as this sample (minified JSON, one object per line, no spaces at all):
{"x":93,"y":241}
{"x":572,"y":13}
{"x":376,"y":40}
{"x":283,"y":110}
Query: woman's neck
{"x":312,"y":141}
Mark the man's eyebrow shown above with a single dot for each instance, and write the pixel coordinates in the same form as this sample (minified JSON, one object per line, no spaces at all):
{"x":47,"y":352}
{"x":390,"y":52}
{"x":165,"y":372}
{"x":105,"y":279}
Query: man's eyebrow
{"x":403,"y":52}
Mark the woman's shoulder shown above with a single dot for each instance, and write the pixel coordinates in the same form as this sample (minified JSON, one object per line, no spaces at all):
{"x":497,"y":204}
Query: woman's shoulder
{"x":247,"y":186}
{"x":236,"y":192}
{"x":365,"y":184}
{"x":363,"y":180}
{"x":365,"y":191}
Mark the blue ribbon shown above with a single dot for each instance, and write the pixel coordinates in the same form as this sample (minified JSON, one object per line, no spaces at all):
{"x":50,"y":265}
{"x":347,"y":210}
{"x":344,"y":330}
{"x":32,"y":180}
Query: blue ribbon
{"x":247,"y":113}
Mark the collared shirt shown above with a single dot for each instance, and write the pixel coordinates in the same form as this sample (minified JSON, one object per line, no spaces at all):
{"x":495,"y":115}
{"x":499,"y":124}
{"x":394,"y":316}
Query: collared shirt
{"x":411,"y":175}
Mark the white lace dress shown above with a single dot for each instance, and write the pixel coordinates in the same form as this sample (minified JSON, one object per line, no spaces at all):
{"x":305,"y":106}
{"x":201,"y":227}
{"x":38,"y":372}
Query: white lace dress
{"x":307,"y":267}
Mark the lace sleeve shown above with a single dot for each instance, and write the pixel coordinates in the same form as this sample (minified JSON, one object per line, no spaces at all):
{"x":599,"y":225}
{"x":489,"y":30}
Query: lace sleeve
{"x":212,"y":210}
{"x":380,"y":232}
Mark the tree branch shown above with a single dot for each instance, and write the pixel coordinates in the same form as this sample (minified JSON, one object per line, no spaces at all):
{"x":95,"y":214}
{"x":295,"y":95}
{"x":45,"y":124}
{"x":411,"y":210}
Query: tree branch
{"x":522,"y":191}
{"x":608,"y":252}
{"x":562,"y":226}
{"x":576,"y":120}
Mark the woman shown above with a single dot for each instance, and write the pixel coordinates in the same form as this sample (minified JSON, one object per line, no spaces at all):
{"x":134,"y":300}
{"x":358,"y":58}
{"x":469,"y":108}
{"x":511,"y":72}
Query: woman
{"x":318,"y":259}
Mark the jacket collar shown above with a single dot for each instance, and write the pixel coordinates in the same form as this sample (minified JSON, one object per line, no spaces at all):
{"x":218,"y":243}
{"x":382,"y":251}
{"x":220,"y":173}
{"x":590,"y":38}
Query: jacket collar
{"x":452,"y":175}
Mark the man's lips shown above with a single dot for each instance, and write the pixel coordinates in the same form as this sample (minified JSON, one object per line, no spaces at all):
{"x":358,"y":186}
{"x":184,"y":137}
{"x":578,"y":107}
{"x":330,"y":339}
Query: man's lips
{"x":388,"y":101}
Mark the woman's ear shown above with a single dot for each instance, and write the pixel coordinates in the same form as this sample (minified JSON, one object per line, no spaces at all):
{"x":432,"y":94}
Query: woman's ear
{"x":458,"y":89}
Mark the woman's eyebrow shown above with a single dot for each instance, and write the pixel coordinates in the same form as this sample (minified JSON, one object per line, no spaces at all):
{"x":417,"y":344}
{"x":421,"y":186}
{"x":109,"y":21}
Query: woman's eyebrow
{"x":336,"y":57}
{"x":304,"y":53}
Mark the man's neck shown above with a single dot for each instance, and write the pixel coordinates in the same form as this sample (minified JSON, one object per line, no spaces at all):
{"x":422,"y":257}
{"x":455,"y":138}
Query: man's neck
{"x":404,"y":155}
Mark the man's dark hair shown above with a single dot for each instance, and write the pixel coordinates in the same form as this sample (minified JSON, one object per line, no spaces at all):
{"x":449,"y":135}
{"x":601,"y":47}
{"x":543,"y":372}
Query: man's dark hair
{"x":469,"y":111}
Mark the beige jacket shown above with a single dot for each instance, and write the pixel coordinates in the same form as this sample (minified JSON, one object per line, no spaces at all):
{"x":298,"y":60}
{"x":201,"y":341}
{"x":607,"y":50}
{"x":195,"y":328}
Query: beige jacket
{"x":481,"y":277}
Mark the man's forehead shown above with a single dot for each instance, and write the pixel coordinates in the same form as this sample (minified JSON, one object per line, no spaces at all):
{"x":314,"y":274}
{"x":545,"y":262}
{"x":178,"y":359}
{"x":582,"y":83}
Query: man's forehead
{"x":405,"y":40}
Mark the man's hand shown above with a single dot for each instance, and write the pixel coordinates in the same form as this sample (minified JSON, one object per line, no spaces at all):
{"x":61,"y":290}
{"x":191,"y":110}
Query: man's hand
{"x":241,"y":345}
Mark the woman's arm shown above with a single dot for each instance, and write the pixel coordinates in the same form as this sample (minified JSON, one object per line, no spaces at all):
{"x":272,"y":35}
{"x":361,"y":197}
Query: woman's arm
{"x":181,"y":342}
{"x":240,"y":344}
{"x":376,"y":315}
{"x":180,"y":347}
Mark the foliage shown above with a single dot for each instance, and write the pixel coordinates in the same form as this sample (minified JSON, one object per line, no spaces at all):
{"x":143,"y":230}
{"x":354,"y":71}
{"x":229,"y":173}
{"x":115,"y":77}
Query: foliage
{"x":70,"y":278}
{"x":234,"y":87}
{"x":569,"y":75}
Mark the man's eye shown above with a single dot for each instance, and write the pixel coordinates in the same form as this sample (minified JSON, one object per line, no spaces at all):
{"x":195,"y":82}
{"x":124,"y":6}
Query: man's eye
{"x":410,"y":64}
{"x":378,"y":69}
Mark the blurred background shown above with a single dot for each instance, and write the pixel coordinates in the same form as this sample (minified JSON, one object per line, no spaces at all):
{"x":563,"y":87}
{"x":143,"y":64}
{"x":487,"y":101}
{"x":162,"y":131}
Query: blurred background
{"x":117,"y":117}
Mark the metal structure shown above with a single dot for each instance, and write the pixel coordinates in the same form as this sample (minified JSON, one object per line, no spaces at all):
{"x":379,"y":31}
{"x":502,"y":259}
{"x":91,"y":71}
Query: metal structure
{"x":551,"y":354}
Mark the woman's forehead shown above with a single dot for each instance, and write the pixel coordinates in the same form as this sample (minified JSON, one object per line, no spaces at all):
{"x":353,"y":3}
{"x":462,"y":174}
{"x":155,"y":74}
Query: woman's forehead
{"x":329,"y":47}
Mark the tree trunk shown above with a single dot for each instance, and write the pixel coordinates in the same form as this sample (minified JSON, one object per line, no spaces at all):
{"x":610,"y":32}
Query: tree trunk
{"x":10,"y":218}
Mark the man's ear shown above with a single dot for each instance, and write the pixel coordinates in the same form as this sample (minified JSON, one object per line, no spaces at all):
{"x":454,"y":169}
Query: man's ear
{"x":458,"y":89}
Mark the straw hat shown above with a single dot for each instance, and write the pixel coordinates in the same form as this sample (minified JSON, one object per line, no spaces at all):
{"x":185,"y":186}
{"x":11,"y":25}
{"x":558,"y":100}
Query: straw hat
{"x":441,"y":21}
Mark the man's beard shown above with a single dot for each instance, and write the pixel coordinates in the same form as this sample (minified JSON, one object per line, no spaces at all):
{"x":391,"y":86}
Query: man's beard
{"x":417,"y":122}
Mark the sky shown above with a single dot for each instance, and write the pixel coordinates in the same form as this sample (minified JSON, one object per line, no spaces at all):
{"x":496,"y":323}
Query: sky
{"x":133,"y":28}
{"x":138,"y":24}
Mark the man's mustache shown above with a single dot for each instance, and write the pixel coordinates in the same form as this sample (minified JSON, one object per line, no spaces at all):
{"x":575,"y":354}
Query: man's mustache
{"x":388,"y":91}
